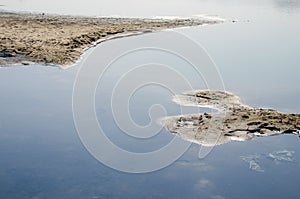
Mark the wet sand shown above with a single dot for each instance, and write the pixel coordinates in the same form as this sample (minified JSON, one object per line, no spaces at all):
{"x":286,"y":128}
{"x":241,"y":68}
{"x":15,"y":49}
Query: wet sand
{"x":61,"y":40}
{"x":234,"y":120}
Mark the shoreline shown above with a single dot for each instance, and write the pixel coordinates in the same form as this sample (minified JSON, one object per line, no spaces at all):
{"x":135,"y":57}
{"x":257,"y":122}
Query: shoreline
{"x":61,"y":40}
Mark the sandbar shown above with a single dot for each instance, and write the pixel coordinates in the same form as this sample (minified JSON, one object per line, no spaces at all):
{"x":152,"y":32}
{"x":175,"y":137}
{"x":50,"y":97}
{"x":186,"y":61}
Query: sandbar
{"x":60,"y":40}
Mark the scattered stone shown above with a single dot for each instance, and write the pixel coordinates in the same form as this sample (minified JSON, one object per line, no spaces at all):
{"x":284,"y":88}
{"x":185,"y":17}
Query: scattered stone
{"x":26,"y":63}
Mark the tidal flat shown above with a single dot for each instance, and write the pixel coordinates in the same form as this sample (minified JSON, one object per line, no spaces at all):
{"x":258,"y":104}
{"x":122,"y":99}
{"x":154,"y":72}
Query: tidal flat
{"x":61,"y":40}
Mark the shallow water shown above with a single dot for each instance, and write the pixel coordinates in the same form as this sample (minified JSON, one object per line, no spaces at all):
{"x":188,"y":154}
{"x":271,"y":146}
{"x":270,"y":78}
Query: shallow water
{"x":151,"y":8}
{"x":258,"y":59}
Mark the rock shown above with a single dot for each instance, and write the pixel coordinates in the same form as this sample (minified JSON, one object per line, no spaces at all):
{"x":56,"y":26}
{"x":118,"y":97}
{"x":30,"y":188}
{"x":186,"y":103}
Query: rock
{"x":26,"y":63}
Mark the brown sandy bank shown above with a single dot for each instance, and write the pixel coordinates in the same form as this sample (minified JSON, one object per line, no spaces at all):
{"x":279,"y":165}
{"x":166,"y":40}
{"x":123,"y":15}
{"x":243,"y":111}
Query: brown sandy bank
{"x":60,"y":40}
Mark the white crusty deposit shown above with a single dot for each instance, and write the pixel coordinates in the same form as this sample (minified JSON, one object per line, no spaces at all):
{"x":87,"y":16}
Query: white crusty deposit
{"x":233,"y":121}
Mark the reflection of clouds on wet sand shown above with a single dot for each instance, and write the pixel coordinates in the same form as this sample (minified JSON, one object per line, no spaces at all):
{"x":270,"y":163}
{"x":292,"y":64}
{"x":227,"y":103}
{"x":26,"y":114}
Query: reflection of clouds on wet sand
{"x":233,"y":121}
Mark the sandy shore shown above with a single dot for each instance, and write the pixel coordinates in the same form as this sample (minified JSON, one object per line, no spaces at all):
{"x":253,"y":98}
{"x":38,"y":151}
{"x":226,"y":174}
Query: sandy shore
{"x":60,"y":40}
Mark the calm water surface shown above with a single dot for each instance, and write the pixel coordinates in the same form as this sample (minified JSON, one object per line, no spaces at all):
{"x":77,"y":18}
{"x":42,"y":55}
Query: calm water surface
{"x":258,"y":58}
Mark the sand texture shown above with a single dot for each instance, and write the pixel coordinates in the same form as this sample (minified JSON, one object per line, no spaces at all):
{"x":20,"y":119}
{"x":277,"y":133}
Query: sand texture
{"x":60,"y":40}
{"x":232,"y":121}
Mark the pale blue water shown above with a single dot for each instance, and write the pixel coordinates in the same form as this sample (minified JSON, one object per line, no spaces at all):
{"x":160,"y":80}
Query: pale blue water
{"x":150,"y":8}
{"x":258,"y":58}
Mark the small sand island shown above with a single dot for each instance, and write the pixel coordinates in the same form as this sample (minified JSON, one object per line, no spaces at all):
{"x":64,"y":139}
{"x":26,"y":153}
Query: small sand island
{"x":60,"y":40}
{"x":233,"y":121}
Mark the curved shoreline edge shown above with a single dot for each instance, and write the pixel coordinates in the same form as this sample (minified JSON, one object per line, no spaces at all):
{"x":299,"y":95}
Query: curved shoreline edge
{"x":61,"y":40}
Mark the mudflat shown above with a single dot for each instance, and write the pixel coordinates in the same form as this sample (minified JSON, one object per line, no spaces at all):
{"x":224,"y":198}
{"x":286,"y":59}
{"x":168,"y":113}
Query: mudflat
{"x":60,"y":40}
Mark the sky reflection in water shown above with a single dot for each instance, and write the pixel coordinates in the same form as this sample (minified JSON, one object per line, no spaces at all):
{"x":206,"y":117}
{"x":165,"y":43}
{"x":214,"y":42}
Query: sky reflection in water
{"x":41,"y":154}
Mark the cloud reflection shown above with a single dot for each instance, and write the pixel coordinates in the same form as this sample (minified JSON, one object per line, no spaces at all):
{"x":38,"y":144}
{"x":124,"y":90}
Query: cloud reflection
{"x":288,"y":6}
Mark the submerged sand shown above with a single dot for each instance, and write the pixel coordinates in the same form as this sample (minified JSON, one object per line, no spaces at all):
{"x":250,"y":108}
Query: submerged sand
{"x":60,"y":40}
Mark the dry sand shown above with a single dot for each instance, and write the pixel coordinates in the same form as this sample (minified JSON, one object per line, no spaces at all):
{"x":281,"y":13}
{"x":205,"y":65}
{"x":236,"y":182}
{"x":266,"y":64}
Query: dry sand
{"x":60,"y":40}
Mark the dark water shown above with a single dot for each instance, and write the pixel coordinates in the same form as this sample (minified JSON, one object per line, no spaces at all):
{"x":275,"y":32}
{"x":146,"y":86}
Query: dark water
{"x":258,"y":59}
